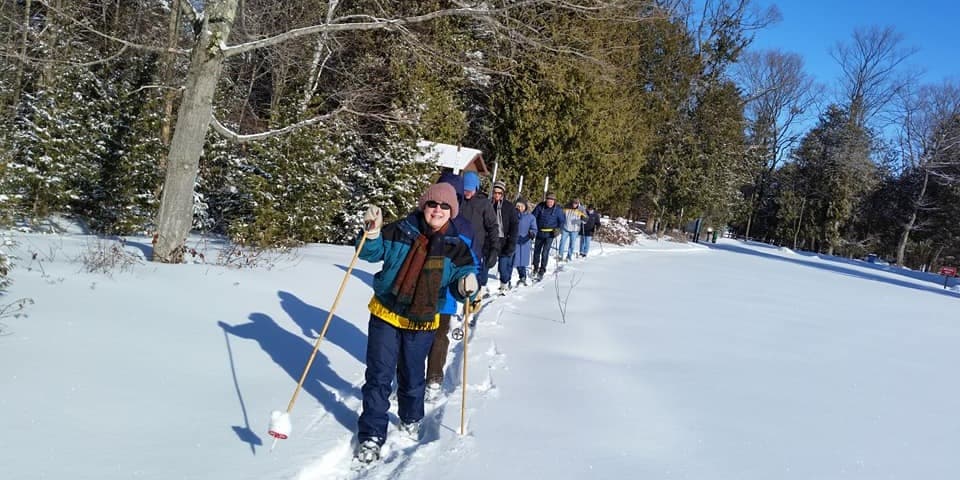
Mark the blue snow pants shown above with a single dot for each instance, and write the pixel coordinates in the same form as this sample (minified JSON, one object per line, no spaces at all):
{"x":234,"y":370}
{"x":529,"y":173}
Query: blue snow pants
{"x":392,"y":351}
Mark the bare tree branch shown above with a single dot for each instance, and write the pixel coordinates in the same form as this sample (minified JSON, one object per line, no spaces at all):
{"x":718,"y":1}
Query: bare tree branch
{"x":871,"y":65}
{"x":319,"y":62}
{"x":238,"y":138}
{"x":126,"y":43}
{"x":37,"y":61}
{"x":369,"y":22}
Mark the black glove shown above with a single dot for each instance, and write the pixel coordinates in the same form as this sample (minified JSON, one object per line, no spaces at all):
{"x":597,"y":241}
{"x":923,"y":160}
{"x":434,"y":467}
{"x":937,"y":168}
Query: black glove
{"x":491,"y":258}
{"x":532,"y":235}
{"x":556,"y":233}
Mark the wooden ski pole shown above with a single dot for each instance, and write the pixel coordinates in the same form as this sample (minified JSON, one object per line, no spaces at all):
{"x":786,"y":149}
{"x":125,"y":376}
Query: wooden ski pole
{"x":467,"y":311}
{"x":280,"y":425}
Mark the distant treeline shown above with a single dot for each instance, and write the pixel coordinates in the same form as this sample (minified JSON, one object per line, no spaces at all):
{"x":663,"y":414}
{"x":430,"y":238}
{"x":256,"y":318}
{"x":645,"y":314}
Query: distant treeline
{"x":645,"y":109}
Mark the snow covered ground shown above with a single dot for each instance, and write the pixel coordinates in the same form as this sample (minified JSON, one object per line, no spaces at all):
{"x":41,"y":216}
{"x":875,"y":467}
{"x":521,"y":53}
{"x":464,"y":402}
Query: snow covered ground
{"x":726,"y":361}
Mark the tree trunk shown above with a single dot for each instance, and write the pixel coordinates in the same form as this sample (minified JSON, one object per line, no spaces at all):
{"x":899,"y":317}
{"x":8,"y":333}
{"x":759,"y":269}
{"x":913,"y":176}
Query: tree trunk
{"x":935,"y":261}
{"x":22,"y":61}
{"x":753,"y":208}
{"x":902,"y":246}
{"x":796,"y":233}
{"x":51,"y":34}
{"x":193,"y":119}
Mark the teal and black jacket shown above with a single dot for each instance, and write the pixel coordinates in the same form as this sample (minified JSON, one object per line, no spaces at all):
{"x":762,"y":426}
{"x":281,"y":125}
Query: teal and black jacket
{"x":392,"y":247}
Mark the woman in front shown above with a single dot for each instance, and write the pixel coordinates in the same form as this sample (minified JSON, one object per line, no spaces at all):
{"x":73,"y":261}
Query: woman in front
{"x":423,"y":256}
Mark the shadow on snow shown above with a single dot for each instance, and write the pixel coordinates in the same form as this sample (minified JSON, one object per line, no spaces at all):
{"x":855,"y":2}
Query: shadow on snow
{"x":365,"y":277}
{"x":310,"y":319}
{"x":290,"y":352}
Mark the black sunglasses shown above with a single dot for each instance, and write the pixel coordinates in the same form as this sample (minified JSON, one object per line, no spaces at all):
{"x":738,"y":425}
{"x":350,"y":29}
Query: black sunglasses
{"x":433,"y":204}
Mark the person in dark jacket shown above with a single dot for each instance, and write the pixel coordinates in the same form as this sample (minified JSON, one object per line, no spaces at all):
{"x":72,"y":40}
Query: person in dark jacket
{"x":437,"y":359}
{"x":423,"y":258}
{"x":507,"y":219}
{"x":477,"y":208}
{"x":550,"y":219}
{"x":589,"y":225}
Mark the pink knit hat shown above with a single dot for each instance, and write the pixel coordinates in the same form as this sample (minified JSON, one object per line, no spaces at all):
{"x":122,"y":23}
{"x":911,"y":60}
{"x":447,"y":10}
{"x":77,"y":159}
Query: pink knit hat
{"x":442,"y":193}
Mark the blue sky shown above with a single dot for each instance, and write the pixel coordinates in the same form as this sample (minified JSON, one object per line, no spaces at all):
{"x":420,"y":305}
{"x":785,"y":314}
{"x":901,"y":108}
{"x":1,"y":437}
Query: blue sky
{"x":811,"y":28}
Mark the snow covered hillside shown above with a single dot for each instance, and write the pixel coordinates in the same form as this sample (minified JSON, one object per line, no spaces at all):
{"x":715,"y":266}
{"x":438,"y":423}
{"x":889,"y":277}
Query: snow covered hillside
{"x":725,"y":361}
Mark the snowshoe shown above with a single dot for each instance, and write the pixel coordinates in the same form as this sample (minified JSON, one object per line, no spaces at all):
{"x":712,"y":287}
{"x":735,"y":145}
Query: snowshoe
{"x":433,"y":392}
{"x":411,"y":430}
{"x":368,"y":451}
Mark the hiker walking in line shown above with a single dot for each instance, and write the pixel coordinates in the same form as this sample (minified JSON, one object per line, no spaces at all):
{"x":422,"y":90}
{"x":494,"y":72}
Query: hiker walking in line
{"x":570,"y":230}
{"x":550,"y":218}
{"x":526,"y":233}
{"x":437,"y":359}
{"x":506,"y":215}
{"x":589,"y":226}
{"x":423,"y":257}
{"x":476,"y":208}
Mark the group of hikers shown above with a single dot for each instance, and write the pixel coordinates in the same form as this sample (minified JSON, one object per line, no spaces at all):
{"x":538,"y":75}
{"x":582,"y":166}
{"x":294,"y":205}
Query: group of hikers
{"x":433,"y":259}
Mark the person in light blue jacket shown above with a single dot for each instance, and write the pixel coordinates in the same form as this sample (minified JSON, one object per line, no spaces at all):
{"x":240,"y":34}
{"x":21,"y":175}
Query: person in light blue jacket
{"x":526,"y":233}
{"x":570,"y":232}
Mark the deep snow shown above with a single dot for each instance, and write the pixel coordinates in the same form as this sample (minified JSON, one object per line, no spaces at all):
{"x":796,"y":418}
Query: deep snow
{"x":726,"y":361}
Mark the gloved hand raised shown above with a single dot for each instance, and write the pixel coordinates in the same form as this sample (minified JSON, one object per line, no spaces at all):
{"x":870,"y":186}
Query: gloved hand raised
{"x":468,"y":285}
{"x":372,"y":221}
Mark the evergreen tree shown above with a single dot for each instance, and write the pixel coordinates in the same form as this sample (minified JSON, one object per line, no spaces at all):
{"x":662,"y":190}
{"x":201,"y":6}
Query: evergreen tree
{"x":834,"y":159}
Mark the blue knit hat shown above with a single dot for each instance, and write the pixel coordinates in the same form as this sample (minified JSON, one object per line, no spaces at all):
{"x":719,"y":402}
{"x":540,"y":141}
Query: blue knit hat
{"x":454,"y":180}
{"x":470,"y":181}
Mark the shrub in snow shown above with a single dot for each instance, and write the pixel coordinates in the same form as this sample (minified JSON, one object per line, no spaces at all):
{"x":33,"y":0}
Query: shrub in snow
{"x":618,"y":231}
{"x":14,"y":308}
{"x":238,"y":256}
{"x":108,"y":256}
{"x":4,"y":265}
